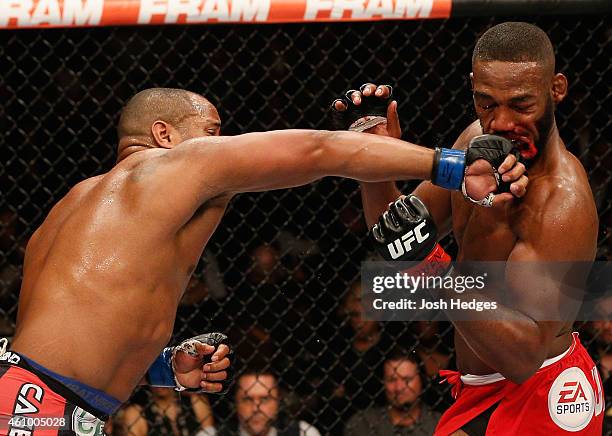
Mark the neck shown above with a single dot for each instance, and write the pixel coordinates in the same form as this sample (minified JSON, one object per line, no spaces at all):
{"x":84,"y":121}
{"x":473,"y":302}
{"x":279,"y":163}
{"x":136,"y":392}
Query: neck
{"x":405,"y":418}
{"x":550,"y":153}
{"x":132,"y":144}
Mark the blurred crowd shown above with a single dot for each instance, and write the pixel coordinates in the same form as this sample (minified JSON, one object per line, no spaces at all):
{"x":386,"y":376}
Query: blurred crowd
{"x":308,"y":370}
{"x":308,"y":362}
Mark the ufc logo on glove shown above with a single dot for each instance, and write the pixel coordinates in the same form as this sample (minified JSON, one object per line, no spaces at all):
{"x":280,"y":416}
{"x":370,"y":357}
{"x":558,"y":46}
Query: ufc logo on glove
{"x":404,"y":244}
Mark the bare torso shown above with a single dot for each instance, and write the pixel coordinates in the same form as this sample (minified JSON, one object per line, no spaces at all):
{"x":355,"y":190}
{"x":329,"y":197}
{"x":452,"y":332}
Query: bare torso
{"x":491,"y":234}
{"x":103,"y":278}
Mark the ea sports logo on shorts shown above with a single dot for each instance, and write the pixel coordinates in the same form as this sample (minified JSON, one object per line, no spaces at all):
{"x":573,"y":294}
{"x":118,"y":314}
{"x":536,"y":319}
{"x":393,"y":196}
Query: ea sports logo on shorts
{"x":571,"y":400}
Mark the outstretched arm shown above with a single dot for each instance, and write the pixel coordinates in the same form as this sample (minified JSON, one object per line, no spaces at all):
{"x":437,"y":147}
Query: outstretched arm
{"x":377,"y":196}
{"x":177,"y":182}
{"x":287,"y":158}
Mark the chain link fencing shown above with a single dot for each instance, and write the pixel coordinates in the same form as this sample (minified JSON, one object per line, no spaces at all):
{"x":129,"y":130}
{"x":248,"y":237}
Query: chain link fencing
{"x":279,"y":274}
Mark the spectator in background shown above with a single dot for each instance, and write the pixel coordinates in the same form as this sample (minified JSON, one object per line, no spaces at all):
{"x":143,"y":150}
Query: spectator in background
{"x":258,"y":404}
{"x":266,"y":267}
{"x":432,"y":342}
{"x":404,"y":413}
{"x":353,"y":364}
{"x":168,"y":414}
{"x":358,"y":370}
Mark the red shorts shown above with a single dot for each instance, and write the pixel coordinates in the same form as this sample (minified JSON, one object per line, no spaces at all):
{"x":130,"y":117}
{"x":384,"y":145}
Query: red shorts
{"x":564,"y":397}
{"x":32,"y":403}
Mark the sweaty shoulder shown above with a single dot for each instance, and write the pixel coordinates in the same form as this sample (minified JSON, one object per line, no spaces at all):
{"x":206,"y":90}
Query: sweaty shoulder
{"x":62,"y":210}
{"x":558,"y":213}
{"x":466,"y":136}
{"x":74,"y":197}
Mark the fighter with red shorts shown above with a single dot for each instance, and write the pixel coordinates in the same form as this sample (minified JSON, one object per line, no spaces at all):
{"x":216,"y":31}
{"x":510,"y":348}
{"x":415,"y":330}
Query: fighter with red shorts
{"x":518,"y":374}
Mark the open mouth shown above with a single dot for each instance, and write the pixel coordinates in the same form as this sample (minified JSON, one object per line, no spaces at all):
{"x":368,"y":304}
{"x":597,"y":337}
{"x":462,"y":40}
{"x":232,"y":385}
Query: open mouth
{"x":526,"y":147}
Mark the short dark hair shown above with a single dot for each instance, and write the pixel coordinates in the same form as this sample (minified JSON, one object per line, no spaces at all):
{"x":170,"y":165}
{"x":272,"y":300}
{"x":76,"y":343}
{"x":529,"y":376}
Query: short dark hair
{"x":401,"y":353}
{"x":256,"y":367}
{"x":515,"y":42}
{"x":398,"y":352}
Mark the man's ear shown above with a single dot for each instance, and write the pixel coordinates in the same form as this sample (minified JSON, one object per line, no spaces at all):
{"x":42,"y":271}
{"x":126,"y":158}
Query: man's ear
{"x":164,"y":135}
{"x":559,"y":88}
{"x":472,"y":80}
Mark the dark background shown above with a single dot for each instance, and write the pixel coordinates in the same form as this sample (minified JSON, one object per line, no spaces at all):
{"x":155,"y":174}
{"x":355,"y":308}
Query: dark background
{"x":62,"y":91}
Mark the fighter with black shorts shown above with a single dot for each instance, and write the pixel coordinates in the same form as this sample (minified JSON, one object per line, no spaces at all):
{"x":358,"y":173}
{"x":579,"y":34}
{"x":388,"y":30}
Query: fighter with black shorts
{"x":104,"y":273}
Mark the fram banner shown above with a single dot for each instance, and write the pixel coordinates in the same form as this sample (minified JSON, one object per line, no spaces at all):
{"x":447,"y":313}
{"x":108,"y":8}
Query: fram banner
{"x":78,"y":13}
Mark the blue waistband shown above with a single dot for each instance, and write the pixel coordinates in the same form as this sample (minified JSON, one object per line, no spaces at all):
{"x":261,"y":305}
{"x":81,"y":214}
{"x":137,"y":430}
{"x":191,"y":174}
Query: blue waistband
{"x":94,"y":397}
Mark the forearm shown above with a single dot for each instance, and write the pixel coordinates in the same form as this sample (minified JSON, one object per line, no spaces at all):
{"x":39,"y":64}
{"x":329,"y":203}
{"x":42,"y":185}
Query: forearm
{"x":377,"y":195}
{"x":373,"y":158}
{"x":375,"y":198}
{"x":287,"y":158}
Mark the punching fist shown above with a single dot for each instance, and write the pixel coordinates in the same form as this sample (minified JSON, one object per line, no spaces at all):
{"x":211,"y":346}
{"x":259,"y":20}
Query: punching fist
{"x":481,"y":165}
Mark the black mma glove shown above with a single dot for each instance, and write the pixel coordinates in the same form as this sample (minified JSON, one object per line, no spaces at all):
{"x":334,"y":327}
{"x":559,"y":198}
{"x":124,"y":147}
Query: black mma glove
{"x":371,"y":112}
{"x":407,"y":232}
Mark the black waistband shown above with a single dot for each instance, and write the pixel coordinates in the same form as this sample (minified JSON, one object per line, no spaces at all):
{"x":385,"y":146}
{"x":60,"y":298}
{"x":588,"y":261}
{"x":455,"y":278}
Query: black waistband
{"x":54,"y":384}
{"x":478,"y":426}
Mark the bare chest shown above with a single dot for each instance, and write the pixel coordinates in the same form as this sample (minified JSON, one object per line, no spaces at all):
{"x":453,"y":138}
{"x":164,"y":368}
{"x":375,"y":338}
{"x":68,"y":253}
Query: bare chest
{"x":482,"y":234}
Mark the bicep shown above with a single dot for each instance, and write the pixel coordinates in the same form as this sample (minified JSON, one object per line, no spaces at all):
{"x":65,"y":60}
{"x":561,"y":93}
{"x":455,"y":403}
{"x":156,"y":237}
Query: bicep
{"x":546,"y":274}
{"x":539,"y":290}
{"x":173,"y":185}
{"x":263,"y":161}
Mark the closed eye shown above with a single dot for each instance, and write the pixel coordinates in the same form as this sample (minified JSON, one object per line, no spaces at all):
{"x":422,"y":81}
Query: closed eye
{"x":487,"y":107}
{"x":524,"y":108}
